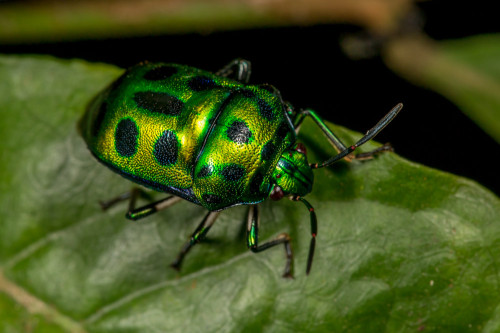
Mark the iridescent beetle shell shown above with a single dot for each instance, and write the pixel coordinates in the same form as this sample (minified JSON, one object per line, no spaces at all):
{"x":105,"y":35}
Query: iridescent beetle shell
{"x":211,"y":140}
{"x":205,"y":138}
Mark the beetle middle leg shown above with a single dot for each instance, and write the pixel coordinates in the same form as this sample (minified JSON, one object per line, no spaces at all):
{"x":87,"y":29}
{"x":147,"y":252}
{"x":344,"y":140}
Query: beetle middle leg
{"x":138,"y":213}
{"x":198,"y":235}
{"x":253,"y":221}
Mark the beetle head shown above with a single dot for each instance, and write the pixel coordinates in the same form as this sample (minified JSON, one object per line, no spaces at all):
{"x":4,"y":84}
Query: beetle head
{"x":293,"y":175}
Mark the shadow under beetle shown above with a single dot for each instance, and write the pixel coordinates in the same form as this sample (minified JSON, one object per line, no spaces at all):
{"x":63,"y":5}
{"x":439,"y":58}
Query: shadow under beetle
{"x":211,"y":139}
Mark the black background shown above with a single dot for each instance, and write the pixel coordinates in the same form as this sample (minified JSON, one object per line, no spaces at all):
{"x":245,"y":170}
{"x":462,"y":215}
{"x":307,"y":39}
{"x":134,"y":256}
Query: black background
{"x":309,"y":68}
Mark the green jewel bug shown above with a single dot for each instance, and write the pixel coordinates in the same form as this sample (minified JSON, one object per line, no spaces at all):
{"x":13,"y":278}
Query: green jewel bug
{"x":211,"y":139}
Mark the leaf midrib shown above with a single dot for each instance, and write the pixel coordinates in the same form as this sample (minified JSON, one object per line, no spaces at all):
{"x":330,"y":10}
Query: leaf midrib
{"x":36,"y":306}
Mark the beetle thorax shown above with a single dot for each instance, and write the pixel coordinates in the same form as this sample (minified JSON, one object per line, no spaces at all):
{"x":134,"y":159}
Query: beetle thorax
{"x":293,"y":175}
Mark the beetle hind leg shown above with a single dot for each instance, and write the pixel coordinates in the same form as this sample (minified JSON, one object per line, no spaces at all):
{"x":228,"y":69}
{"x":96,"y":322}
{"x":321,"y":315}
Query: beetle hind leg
{"x":253,"y":240}
{"x":138,"y":213}
{"x":131,"y":196}
{"x":143,"y":211}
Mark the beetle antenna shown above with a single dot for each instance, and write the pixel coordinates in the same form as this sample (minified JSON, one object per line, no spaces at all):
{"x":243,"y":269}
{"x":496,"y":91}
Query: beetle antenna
{"x":367,"y":137}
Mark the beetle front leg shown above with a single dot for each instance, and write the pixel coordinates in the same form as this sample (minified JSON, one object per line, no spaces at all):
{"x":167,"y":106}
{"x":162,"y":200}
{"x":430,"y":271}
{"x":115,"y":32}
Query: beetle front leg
{"x":340,"y":147}
{"x":253,"y":221}
{"x":198,"y":235}
{"x":239,"y":68}
{"x":314,"y":230}
{"x":336,"y":143}
{"x":370,"y":154}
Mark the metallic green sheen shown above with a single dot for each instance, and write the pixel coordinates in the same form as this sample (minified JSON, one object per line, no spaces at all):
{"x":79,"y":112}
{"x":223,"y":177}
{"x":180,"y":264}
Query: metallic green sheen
{"x":293,"y":174}
{"x":208,"y":139}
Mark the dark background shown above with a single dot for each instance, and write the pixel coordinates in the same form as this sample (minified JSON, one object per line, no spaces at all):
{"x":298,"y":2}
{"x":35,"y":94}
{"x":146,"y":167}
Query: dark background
{"x":309,"y":68}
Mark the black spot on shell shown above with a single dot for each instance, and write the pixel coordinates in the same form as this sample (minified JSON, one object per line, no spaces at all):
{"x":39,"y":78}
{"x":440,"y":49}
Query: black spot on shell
{"x":205,"y":171}
{"x":160,"y":73}
{"x":212,"y":198}
{"x":200,"y":83}
{"x":233,"y":172}
{"x":247,"y":93}
{"x":255,"y":183}
{"x":239,"y":132}
{"x":126,"y":136}
{"x":159,"y":102}
{"x":269,"y":88}
{"x":265,"y":110}
{"x":267,"y":151}
{"x":166,"y":148}
{"x":282,"y":130}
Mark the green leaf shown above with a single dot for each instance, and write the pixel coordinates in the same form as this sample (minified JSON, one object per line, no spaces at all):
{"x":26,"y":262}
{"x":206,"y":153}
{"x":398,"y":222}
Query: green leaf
{"x":400,"y":248}
{"x":466,"y":71}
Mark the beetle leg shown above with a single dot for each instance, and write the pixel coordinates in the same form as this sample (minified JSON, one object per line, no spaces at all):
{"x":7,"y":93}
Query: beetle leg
{"x":343,"y":151}
{"x":239,"y":68}
{"x":369,"y":154}
{"x":131,"y":195}
{"x":138,"y":213}
{"x":253,"y":221}
{"x":334,"y":140}
{"x":370,"y":134}
{"x":314,"y":230}
{"x":336,"y":143}
{"x":198,"y":235}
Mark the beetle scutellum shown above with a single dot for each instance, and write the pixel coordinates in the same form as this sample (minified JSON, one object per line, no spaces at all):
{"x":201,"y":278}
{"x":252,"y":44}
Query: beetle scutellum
{"x":211,"y":139}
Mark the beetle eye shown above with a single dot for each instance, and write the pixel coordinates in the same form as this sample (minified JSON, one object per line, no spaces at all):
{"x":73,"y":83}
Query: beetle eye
{"x":301,"y":148}
{"x":277,"y":193}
